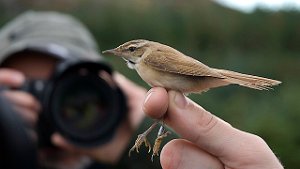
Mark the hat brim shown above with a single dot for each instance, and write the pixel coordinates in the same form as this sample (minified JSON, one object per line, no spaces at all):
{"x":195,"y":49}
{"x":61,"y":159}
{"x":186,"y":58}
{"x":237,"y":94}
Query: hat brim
{"x":56,"y":49}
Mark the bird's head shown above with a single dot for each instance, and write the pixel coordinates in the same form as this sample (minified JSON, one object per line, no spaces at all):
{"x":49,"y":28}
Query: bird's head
{"x":131,"y":51}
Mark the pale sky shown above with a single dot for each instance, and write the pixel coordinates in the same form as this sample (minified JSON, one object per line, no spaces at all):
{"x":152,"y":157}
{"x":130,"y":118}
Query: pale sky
{"x":250,"y":5}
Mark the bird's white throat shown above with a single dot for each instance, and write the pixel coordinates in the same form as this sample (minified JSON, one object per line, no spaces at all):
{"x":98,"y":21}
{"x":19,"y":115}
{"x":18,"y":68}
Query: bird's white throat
{"x":130,"y":64}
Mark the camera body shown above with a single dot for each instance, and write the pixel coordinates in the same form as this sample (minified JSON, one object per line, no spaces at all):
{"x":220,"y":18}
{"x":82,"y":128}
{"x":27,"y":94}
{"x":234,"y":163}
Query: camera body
{"x":81,"y":101}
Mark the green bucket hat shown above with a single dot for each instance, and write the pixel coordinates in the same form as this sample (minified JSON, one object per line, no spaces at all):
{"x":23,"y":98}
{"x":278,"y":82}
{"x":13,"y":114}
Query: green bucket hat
{"x":52,"y":33}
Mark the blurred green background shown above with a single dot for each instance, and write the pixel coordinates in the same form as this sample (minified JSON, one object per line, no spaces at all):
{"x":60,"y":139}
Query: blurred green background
{"x":262,"y":43}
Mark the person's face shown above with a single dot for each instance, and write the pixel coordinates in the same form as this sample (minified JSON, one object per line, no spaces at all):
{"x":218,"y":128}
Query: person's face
{"x":33,"y":65}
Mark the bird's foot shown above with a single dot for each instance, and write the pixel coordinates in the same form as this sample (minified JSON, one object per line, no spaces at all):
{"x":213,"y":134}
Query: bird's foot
{"x":162,"y":133}
{"x":142,"y":138}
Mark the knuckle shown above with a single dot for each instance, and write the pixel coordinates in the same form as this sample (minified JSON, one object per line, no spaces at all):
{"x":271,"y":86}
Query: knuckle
{"x":257,"y":142}
{"x":206,"y":121}
{"x":205,"y":125}
{"x":253,"y":147}
{"x":202,"y":122}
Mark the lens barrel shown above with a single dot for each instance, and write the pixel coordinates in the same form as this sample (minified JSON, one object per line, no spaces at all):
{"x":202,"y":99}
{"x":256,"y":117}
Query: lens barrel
{"x":82,"y":102}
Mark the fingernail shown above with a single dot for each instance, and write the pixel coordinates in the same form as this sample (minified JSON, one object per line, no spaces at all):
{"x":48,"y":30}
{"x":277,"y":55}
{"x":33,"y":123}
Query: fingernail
{"x":149,"y":93}
{"x":180,"y":100}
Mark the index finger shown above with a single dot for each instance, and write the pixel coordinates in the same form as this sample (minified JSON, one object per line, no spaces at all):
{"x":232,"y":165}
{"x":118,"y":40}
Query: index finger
{"x":209,"y":132}
{"x":11,"y":78}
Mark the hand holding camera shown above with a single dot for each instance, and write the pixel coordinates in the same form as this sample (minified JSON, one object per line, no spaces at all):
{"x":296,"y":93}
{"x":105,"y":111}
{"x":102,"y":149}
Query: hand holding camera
{"x":25,"y":104}
{"x":30,"y":101}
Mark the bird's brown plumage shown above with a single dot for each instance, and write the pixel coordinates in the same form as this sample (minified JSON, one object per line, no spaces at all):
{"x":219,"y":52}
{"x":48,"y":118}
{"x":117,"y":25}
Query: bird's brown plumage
{"x":161,"y":65}
{"x":178,"y":63}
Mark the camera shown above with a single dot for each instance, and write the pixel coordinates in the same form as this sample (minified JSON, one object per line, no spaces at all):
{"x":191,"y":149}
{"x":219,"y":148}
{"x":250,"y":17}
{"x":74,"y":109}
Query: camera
{"x":81,"y":101}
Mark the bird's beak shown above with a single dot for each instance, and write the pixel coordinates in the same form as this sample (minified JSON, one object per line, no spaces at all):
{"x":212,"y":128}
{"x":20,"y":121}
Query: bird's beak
{"x":110,"y":51}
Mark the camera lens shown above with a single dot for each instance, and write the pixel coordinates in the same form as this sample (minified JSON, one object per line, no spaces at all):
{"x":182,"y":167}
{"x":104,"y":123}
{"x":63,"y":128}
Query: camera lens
{"x":84,"y":107}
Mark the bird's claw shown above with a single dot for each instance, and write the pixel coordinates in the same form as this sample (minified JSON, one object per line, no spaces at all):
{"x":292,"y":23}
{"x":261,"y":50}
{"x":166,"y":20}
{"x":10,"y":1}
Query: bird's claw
{"x":142,"y":139}
{"x":138,"y":143}
{"x":161,"y":134}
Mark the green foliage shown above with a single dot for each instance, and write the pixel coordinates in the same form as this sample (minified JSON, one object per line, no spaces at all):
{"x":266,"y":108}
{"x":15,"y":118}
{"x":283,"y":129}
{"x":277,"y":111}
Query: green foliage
{"x":262,"y":43}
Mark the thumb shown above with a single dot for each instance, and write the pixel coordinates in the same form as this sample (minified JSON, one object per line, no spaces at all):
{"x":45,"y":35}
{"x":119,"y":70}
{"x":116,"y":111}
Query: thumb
{"x":61,"y":142}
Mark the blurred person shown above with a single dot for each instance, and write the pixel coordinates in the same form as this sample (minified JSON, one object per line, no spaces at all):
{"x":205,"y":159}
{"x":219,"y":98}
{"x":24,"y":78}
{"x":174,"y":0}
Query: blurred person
{"x":31,"y":46}
{"x":208,"y":142}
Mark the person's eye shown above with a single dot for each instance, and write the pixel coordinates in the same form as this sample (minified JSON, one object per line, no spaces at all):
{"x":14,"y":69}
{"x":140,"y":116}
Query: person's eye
{"x":131,"y":49}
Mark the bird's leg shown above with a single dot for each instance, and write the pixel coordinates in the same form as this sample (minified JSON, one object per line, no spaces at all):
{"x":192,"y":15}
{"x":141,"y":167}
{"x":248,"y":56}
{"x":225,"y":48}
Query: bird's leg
{"x":142,"y":138}
{"x":162,"y":133}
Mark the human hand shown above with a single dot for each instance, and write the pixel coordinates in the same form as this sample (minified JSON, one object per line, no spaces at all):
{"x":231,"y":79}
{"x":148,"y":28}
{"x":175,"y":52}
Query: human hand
{"x":28,"y":107}
{"x":112,"y":151}
{"x":207,"y":141}
{"x":25,"y":104}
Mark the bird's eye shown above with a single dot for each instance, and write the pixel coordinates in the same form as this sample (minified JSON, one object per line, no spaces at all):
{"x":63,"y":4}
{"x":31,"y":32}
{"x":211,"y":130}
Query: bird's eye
{"x":131,"y":49}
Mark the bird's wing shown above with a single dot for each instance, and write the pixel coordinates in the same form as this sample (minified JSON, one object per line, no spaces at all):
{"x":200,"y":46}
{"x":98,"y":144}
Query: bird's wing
{"x":180,"y":64}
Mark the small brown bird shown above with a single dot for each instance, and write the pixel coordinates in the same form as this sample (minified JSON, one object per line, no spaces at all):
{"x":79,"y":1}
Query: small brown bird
{"x":160,"y":65}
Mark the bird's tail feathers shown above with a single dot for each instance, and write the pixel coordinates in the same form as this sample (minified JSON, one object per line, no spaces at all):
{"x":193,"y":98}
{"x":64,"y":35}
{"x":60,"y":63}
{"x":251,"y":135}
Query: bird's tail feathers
{"x":250,"y":81}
